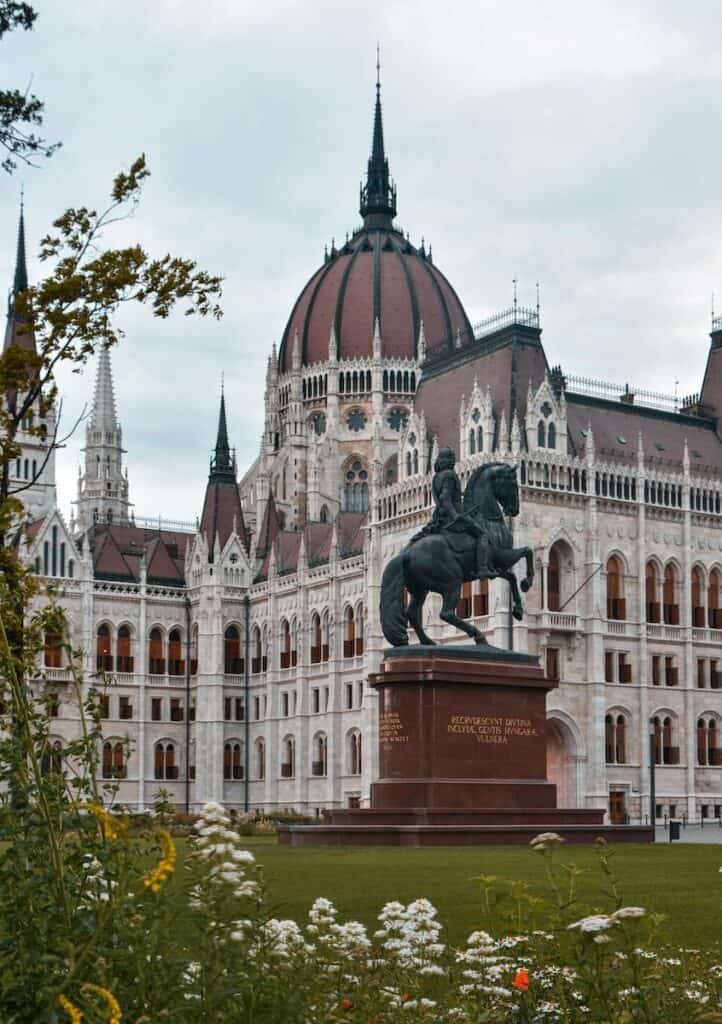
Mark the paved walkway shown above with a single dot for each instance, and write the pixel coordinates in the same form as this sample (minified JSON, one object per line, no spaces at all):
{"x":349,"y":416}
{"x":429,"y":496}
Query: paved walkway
{"x":711,"y":833}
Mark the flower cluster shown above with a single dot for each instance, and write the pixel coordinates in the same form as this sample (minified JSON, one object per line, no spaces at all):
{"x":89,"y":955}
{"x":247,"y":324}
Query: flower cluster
{"x":217,"y":843}
{"x":166,"y":866}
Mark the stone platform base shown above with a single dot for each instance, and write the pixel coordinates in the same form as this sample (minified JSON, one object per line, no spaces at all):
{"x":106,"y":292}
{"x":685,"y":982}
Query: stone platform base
{"x":373,"y":832}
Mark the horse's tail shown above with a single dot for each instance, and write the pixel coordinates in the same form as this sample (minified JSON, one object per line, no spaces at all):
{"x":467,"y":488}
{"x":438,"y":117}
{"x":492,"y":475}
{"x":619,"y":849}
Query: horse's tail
{"x":393,"y":613}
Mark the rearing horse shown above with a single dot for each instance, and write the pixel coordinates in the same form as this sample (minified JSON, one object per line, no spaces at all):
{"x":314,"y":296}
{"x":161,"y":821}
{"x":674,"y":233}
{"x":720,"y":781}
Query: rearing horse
{"x":442,"y":562}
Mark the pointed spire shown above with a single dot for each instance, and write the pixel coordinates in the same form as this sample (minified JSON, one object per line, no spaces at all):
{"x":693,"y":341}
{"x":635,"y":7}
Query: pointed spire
{"x":332,"y":345}
{"x":104,"y":415}
{"x":421,"y":346}
{"x":20,"y":281}
{"x":222,"y":464}
{"x":378,"y":195}
{"x":296,"y":353}
{"x":377,"y":339}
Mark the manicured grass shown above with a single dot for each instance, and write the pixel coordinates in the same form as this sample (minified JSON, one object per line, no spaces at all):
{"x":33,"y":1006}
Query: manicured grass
{"x":681,"y":882}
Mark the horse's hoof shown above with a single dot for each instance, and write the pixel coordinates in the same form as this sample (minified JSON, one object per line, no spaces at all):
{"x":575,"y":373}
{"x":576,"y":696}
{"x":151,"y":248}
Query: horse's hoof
{"x":480,"y":639}
{"x":518,"y":612}
{"x":526,"y":585}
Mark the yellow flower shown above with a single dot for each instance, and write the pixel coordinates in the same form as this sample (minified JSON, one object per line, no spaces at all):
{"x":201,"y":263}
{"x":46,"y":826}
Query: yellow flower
{"x":108,"y":823}
{"x":71,"y":1009}
{"x":167,"y":863}
{"x":110,"y":1000}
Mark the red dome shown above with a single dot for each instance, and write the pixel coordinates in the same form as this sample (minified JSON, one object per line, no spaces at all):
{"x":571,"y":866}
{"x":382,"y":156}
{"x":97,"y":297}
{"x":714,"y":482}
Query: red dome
{"x":378,"y":273}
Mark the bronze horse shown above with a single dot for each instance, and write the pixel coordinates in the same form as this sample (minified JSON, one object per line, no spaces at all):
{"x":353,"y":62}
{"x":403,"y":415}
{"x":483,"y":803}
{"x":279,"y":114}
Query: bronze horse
{"x":442,"y":562}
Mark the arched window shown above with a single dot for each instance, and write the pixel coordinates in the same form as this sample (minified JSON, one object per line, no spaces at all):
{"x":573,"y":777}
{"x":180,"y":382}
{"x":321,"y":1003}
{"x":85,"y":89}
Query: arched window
{"x":124,"y":657}
{"x":541,"y":435}
{"x":708,"y":751}
{"x":354,"y":753}
{"x":670,"y":598}
{"x":665,"y":752}
{"x":651,"y":586}
{"x":554,"y":599}
{"x":319,"y":764}
{"x":257,"y":651}
{"x":472,"y":442}
{"x":616,"y":605}
{"x":324,"y":514}
{"x":232,"y":761}
{"x":360,"y":629}
{"x":156,"y":659}
{"x":260,"y":759}
{"x":416,"y":461}
{"x":288,"y":755}
{"x":356,"y":491}
{"x":194,"y":650}
{"x":713,"y":600}
{"x":349,"y":640}
{"x":51,"y":763}
{"x":165,"y":764}
{"x":113,"y":766}
{"x":52,"y":650}
{"x":232,"y":663}
{"x":621,"y":740}
{"x":103,"y":657}
{"x":285,"y":644}
{"x":551,"y":436}
{"x":615,"y":736}
{"x":176,"y":661}
{"x":315,"y":639}
{"x":325,"y":629}
{"x":697,"y":594}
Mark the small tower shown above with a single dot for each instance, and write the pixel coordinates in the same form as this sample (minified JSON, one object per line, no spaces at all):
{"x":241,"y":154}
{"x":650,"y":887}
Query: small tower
{"x":32,"y":473}
{"x":222,"y":513}
{"x":103,"y":486}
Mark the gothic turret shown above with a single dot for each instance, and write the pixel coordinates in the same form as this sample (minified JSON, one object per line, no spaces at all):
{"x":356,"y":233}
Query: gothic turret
{"x":103,"y":486}
{"x":14,"y":332}
{"x":222,"y":512}
{"x":378,"y":195}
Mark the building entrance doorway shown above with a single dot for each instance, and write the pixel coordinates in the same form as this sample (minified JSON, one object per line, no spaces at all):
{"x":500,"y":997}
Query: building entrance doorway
{"x":618,"y":807}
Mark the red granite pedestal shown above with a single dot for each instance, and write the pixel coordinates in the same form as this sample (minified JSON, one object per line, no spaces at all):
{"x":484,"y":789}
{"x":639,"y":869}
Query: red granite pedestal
{"x":462,"y":759}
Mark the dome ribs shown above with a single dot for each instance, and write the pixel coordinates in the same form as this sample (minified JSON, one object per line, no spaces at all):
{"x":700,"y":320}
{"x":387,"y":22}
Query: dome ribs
{"x":412,"y":294}
{"x":447,"y":317}
{"x":342,"y":295}
{"x":377,"y":280}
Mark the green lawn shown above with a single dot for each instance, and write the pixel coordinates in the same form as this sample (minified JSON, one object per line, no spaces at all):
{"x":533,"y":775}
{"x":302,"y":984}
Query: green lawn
{"x":682,"y":881}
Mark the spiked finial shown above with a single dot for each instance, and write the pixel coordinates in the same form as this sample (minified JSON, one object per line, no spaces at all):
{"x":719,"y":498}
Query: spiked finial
{"x":378,"y":195}
{"x":20,"y":281}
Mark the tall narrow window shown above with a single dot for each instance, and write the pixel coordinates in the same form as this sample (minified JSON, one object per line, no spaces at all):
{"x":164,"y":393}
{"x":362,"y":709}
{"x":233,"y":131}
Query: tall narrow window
{"x":616,"y":605}
{"x":103,"y":657}
{"x":541,"y":435}
{"x":232,"y":652}
{"x":554,"y":580}
{"x":651,"y":588}
{"x":355,"y":753}
{"x":551,"y":436}
{"x":671,"y":603}
{"x":315,"y":639}
{"x":176,"y":661}
{"x":464,"y":604}
{"x":360,"y":629}
{"x":713,"y":600}
{"x":319,"y":764}
{"x":53,"y":652}
{"x":349,"y":640}
{"x":288,"y":763}
{"x":124,"y":657}
{"x":156,"y":660}
{"x":257,"y":651}
{"x":260,"y":759}
{"x":697,"y":599}
{"x":285,"y":644}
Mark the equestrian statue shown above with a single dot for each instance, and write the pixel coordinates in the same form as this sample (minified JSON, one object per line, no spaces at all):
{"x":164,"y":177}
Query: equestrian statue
{"x":466,"y":539}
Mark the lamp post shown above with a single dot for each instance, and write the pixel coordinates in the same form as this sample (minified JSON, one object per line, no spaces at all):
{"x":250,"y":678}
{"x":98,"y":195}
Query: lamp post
{"x":652,"y":793}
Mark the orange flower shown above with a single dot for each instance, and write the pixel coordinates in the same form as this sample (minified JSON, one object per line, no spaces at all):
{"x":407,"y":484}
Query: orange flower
{"x":405,"y":997}
{"x":345,"y":1004}
{"x":521,"y":981}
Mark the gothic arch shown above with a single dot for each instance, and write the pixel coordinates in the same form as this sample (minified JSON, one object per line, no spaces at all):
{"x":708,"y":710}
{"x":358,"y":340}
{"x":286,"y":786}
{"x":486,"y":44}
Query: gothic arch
{"x":565,"y":753}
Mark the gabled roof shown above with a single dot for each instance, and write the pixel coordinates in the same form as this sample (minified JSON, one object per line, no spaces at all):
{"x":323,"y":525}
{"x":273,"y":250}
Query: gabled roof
{"x":118,"y":550}
{"x":318,"y":538}
{"x":222,"y":511}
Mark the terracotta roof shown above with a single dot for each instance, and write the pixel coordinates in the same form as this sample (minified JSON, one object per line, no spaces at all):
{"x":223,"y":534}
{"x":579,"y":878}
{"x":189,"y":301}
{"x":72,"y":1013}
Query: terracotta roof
{"x":349,"y":526}
{"x":270,"y":527}
{"x":117,"y":552}
{"x":221,"y":508}
{"x":615,"y":428}
{"x":378,"y":273}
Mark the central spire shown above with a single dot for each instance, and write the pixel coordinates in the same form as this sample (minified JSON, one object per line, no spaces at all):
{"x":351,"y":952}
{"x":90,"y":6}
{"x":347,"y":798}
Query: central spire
{"x":378,"y":195}
{"x":222,"y":465}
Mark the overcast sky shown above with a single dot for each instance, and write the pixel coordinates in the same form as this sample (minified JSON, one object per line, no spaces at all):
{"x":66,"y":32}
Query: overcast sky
{"x":574,"y":144}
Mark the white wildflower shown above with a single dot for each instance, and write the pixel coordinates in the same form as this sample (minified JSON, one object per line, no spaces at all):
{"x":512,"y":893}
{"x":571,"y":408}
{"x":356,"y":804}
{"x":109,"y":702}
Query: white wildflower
{"x":593,"y":923}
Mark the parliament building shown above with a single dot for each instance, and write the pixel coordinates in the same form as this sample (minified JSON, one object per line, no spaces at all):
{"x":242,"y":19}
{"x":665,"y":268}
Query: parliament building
{"x":233,"y":654}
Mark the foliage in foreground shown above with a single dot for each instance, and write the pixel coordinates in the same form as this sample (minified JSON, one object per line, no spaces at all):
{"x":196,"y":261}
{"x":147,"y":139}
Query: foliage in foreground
{"x":91,"y":933}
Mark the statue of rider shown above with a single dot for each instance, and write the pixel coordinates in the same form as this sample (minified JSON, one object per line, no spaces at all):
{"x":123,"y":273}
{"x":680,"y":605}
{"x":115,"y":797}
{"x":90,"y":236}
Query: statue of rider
{"x":447,"y":515}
